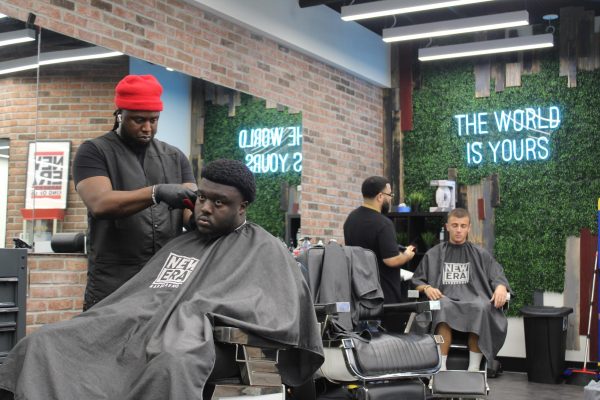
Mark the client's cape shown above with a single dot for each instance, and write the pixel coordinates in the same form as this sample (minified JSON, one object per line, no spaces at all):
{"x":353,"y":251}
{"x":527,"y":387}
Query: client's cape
{"x":466,"y":305}
{"x":152,"y":339}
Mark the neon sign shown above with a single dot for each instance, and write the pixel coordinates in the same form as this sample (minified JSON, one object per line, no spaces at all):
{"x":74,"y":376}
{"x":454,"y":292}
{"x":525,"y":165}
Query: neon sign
{"x":532,"y":126}
{"x":276,"y":149}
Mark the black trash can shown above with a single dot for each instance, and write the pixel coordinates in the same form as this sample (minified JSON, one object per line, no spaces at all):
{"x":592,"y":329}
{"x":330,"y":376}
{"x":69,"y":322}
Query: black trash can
{"x":545,"y":342}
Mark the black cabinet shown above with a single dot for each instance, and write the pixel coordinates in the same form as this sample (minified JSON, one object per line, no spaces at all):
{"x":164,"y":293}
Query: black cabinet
{"x":421,"y":229}
{"x":13,"y":284}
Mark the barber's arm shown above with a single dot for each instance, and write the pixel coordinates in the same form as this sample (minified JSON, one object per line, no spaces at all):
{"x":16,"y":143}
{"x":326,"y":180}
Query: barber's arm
{"x":400,"y":259}
{"x":103,"y":202}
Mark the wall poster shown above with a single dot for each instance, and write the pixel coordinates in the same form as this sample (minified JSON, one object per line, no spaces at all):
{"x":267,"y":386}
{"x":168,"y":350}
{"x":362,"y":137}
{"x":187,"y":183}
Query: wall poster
{"x":47,"y":175}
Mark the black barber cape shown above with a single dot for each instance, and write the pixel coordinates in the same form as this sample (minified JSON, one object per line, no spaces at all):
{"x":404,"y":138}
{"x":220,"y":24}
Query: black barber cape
{"x":467,"y":275}
{"x":152,"y":338}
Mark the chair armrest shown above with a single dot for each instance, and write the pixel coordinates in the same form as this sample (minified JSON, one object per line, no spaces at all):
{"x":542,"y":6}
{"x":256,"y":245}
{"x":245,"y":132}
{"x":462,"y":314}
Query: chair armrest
{"x":417,"y":307}
{"x":323,"y":310}
{"x":233,"y":335}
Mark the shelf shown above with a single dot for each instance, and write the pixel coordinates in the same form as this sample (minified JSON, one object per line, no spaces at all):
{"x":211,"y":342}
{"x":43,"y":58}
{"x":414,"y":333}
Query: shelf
{"x":412,"y":225}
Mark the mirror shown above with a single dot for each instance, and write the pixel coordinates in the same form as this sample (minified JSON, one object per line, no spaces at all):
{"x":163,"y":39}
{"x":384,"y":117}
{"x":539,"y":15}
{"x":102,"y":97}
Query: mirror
{"x":48,"y":112}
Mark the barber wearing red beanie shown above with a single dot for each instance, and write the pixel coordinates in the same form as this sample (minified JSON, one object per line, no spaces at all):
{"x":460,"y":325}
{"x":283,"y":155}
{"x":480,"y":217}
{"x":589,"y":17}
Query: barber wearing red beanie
{"x":137,"y":189}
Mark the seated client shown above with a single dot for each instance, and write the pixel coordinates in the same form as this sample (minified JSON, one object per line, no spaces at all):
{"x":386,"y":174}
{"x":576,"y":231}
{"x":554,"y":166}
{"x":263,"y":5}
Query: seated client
{"x":472,"y":289}
{"x":152,"y":338}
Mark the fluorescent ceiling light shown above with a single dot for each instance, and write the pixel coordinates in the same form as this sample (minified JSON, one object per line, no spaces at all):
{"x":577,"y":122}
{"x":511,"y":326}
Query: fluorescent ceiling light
{"x":2,"y":15}
{"x":456,"y":26}
{"x":85,"y":53}
{"x":486,"y":47}
{"x":391,"y":7}
{"x":56,"y":57}
{"x":20,"y":36}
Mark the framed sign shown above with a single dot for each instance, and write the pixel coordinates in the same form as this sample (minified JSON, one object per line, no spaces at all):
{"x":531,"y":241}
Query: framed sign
{"x":47,"y":175}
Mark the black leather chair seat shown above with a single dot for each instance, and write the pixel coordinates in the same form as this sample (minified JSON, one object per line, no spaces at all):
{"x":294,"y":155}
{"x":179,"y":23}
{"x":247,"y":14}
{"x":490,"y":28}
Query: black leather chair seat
{"x":391,"y":353}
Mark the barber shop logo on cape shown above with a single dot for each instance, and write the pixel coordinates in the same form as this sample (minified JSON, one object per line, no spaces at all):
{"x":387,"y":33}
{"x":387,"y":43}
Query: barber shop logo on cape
{"x":508,"y":136}
{"x":175,"y":271}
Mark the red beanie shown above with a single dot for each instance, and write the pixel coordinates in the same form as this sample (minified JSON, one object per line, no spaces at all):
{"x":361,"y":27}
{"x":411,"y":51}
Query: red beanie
{"x":139,"y":92}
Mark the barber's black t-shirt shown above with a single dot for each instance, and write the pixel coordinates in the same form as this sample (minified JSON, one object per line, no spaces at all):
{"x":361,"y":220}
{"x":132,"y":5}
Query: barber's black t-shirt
{"x":89,"y":162}
{"x":371,"y":230}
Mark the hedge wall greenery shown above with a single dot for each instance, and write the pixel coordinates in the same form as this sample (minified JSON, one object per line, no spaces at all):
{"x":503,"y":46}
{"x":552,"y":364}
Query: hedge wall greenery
{"x":221,"y":141}
{"x":542,"y":202}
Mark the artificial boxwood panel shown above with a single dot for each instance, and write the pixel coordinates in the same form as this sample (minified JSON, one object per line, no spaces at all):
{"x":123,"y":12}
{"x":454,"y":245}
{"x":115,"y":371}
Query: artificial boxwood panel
{"x":221,"y":141}
{"x":542,"y":202}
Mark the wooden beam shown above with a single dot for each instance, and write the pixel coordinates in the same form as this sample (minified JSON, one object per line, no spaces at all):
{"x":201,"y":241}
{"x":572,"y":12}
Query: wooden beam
{"x":483,"y":71}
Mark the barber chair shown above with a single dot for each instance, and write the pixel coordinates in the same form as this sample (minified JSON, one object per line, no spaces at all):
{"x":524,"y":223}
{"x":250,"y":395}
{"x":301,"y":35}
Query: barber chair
{"x":360,"y":354}
{"x":456,"y":381}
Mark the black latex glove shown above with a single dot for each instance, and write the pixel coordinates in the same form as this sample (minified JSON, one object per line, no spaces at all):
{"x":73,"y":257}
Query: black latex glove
{"x":174,"y":194}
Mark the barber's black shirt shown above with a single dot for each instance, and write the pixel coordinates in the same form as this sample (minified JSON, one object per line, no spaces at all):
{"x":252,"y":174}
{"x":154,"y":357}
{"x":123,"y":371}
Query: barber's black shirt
{"x":371,"y":230}
{"x":90,"y":162}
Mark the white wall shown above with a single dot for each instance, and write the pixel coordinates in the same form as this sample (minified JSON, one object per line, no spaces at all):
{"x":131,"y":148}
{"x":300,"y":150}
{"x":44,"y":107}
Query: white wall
{"x":317,"y":31}
{"x":175,"y":123}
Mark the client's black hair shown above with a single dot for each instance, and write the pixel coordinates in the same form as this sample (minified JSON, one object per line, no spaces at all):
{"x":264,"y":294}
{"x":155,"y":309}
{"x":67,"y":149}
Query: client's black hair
{"x":373,"y":185}
{"x":231,"y":173}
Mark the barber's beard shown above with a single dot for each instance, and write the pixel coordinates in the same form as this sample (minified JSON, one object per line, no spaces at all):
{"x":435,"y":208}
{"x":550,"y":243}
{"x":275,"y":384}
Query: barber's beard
{"x":132,"y":143}
{"x":385,"y":208}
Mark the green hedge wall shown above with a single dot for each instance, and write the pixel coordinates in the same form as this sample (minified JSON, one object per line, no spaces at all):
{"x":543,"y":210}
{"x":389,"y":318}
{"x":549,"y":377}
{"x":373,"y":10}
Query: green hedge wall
{"x":542,"y":202}
{"x":221,"y":141}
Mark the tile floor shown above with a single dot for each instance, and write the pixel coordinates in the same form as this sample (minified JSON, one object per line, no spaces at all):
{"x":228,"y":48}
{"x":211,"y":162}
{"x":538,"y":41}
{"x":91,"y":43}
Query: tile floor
{"x":515,"y":386}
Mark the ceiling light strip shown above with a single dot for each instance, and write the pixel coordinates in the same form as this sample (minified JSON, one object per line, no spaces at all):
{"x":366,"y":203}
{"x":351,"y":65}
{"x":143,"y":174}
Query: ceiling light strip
{"x":456,"y":26}
{"x":55,"y":57}
{"x":486,"y":47}
{"x":86,"y":53}
{"x":391,"y":7}
{"x":20,"y":36}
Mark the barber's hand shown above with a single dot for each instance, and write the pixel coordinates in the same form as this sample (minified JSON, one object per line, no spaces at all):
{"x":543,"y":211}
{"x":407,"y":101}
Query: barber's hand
{"x":410,"y":252}
{"x":175,"y":195}
{"x":433,"y":293}
{"x":499,"y":297}
{"x":191,"y":223}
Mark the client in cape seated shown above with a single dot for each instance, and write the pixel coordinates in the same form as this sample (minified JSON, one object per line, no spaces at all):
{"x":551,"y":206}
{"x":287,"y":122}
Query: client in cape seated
{"x":152,"y":338}
{"x":472,"y":289}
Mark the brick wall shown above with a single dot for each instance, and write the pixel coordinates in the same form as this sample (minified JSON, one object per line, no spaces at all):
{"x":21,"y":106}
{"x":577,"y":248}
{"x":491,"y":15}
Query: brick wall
{"x":56,"y":286}
{"x":342,"y":115}
{"x":75,"y":103}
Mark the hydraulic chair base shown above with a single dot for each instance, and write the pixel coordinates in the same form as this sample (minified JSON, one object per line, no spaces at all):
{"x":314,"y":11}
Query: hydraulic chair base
{"x":257,"y":359}
{"x":224,"y":392}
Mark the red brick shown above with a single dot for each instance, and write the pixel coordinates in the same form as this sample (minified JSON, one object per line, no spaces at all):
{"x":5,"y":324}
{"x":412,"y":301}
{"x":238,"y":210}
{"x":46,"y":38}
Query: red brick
{"x":60,"y":304}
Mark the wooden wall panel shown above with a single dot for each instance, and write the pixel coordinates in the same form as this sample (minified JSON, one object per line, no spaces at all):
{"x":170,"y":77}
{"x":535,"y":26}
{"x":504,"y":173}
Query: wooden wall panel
{"x":499,"y":76}
{"x":482,"y":78}
{"x":513,"y":74}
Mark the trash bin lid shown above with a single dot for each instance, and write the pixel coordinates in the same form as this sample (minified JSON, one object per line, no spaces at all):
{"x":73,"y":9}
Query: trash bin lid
{"x":545,"y":311}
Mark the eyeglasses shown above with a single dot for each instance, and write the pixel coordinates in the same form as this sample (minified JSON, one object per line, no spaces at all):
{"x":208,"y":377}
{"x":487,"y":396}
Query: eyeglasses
{"x":388,"y":194}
